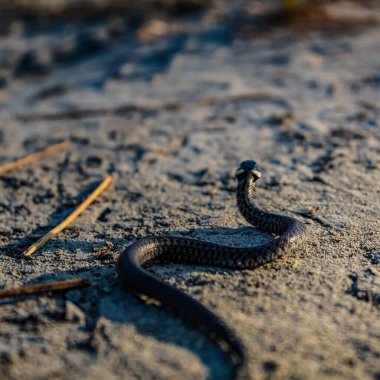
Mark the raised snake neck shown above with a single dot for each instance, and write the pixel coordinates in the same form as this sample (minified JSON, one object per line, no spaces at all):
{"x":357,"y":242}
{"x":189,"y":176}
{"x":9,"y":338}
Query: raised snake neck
{"x":290,"y":234}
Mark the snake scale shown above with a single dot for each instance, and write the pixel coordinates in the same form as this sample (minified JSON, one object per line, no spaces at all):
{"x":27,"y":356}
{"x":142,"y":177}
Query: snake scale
{"x":289,"y":235}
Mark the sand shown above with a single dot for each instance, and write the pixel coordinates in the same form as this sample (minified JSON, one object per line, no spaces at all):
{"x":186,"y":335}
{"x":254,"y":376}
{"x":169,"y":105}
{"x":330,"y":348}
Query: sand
{"x":171,"y":110}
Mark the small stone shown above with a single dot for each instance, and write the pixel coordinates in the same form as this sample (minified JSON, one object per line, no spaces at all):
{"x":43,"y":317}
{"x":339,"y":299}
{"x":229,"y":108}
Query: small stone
{"x":272,"y":180}
{"x":74,"y":313}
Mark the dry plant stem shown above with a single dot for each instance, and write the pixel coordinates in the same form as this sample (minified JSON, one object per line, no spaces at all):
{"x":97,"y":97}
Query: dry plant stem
{"x":56,"y":230}
{"x":49,"y":151}
{"x":54,"y":287}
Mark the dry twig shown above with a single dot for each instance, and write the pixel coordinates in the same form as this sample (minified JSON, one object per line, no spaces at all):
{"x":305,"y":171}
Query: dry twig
{"x":50,"y":150}
{"x":56,"y":230}
{"x":48,"y":287}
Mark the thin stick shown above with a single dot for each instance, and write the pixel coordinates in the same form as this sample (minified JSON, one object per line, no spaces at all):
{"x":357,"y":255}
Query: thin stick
{"x":56,"y":230}
{"x":50,"y":150}
{"x":47,"y":287}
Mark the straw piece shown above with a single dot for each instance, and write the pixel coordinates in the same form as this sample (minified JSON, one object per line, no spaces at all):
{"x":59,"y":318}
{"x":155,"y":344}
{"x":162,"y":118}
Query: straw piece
{"x":50,"y":150}
{"x":56,"y":230}
{"x":47,"y":287}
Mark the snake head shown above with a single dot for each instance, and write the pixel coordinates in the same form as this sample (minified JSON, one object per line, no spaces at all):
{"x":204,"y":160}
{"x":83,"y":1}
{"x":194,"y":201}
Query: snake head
{"x":248,"y":168}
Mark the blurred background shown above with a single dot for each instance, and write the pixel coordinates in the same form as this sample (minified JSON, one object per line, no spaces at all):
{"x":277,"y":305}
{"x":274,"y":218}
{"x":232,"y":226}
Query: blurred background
{"x":294,"y":64}
{"x":72,"y":46}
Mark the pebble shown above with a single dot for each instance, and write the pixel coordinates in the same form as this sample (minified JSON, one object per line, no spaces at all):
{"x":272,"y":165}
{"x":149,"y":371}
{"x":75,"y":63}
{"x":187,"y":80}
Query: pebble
{"x":74,"y":314}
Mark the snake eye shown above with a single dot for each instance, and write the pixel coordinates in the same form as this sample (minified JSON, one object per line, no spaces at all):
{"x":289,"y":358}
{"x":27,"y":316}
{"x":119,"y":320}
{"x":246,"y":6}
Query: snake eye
{"x":239,"y":171}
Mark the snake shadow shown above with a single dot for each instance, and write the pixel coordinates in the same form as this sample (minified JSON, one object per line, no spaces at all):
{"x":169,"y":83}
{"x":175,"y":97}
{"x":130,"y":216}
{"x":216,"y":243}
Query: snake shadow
{"x":107,"y":300}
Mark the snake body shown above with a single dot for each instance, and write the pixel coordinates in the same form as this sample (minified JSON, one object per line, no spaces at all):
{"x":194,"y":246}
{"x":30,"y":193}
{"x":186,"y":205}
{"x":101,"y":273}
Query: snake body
{"x":289,"y":235}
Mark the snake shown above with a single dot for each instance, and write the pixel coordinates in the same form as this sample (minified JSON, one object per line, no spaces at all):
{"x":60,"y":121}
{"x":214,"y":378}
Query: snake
{"x":289,"y":234}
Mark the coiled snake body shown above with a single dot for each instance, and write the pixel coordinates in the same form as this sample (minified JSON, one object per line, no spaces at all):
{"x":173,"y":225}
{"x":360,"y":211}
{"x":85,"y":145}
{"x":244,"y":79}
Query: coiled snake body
{"x":289,"y":232}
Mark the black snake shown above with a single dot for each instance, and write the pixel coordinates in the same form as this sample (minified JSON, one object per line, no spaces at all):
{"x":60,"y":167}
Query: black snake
{"x":289,"y":235}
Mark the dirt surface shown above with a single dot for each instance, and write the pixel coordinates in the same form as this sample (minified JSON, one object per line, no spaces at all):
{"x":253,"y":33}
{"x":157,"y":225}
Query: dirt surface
{"x":172,"y":106}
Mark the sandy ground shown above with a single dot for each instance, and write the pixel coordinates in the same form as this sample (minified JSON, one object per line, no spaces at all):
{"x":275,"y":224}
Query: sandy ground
{"x":172,"y":108}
